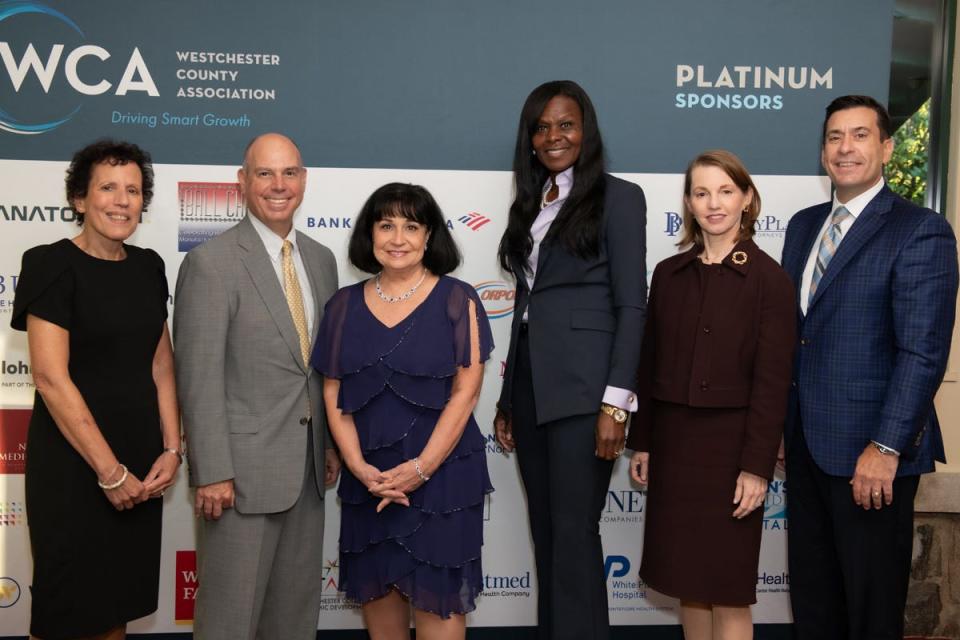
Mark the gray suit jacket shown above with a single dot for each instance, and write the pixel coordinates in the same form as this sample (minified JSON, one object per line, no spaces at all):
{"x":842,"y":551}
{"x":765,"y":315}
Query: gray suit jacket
{"x":242,"y":387}
{"x":586,"y":315}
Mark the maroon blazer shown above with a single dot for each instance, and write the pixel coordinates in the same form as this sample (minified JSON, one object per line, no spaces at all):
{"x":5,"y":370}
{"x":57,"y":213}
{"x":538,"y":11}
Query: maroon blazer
{"x":734,"y":351}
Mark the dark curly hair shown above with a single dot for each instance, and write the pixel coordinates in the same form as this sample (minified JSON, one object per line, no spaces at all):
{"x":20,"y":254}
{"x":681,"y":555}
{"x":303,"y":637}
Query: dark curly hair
{"x":111,"y":152}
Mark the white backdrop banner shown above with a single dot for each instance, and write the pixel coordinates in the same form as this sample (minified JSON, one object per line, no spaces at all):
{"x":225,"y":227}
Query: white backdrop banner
{"x":194,"y":201}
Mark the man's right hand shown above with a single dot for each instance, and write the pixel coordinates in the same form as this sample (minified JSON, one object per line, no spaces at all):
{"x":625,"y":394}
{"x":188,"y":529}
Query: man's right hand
{"x":212,"y":499}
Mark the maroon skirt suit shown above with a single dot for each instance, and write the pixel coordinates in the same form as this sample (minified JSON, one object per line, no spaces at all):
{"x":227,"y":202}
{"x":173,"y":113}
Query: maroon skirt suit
{"x":713,"y":383}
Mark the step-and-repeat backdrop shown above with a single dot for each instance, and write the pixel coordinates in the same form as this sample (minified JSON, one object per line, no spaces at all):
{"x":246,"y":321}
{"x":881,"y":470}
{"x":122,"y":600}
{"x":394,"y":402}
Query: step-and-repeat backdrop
{"x":426,"y":92}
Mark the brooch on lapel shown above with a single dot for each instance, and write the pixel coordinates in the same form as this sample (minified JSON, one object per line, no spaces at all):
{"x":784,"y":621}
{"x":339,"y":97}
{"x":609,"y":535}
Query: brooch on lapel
{"x":738,"y":257}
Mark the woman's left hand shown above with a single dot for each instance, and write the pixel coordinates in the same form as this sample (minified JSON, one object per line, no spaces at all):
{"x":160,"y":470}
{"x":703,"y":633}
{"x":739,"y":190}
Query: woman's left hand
{"x":162,"y":474}
{"x":750,"y":493}
{"x":611,"y":437}
{"x":403,"y":478}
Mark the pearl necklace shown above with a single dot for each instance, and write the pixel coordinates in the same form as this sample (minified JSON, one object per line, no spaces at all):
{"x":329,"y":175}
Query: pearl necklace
{"x":546,"y":191}
{"x":401,"y":297}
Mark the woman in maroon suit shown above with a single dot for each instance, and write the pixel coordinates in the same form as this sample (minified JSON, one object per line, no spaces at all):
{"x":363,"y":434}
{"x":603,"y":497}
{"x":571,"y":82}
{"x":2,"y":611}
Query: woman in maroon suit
{"x":713,"y":382}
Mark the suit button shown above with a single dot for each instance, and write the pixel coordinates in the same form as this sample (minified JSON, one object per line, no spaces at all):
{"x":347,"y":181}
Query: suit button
{"x":706,"y":329}
{"x":704,"y":385}
{"x":304,"y":420}
{"x":794,"y":384}
{"x":803,"y":341}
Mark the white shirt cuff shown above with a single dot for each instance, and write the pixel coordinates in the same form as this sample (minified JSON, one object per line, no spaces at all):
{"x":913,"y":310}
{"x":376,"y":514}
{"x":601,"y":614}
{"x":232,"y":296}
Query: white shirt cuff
{"x":623,"y":398}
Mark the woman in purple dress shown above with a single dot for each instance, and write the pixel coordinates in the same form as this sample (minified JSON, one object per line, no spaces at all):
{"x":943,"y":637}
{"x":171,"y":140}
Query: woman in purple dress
{"x":402,"y":354}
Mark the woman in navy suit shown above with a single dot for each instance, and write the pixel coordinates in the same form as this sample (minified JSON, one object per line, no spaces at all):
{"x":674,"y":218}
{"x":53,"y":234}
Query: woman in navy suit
{"x":575,"y":245}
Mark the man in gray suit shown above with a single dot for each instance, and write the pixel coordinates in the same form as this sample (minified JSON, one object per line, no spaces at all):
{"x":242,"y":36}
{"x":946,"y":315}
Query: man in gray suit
{"x":248,"y":303}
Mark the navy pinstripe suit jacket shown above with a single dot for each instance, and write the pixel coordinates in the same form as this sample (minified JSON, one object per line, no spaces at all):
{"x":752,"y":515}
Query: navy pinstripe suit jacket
{"x":874,"y":342}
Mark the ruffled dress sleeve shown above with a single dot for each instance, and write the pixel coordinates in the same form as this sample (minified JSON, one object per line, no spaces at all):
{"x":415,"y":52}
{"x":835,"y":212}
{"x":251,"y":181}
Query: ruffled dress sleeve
{"x":45,"y":288}
{"x":458,"y":311}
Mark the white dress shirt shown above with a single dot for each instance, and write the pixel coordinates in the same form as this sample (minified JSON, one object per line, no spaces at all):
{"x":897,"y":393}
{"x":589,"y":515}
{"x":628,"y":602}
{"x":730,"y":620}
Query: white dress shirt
{"x":274,"y":246}
{"x":622,"y":398}
{"x":855,"y":207}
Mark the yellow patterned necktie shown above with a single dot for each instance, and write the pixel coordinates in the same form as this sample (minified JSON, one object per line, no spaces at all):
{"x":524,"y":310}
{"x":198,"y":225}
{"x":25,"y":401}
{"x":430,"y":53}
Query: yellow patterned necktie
{"x":291,"y":289}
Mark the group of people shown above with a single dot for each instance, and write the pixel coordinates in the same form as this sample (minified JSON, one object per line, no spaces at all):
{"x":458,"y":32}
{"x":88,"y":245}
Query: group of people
{"x":732,"y":364}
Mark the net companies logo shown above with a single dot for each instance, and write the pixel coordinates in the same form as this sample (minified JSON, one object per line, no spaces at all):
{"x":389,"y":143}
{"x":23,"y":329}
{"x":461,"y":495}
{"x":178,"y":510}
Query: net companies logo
{"x":32,"y":76}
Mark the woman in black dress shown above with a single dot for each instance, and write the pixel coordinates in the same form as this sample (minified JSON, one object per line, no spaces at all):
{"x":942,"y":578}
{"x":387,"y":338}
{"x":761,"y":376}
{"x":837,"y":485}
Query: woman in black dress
{"x":104,"y":438}
{"x":713,"y":380}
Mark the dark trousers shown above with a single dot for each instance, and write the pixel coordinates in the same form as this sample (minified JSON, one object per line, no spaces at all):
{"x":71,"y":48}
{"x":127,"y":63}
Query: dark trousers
{"x":849,"y":567}
{"x":566,"y":486}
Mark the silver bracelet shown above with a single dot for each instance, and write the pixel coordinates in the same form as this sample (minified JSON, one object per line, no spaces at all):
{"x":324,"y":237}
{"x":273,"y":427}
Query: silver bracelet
{"x":416,"y":465}
{"x":175,"y":452}
{"x":123,"y":478}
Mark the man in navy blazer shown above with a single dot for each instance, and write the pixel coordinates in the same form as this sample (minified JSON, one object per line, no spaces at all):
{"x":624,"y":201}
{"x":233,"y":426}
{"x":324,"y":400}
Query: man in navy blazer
{"x":877,"y":283}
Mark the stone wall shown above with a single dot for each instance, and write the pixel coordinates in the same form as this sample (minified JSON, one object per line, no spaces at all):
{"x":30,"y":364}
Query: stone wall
{"x":933,"y":602}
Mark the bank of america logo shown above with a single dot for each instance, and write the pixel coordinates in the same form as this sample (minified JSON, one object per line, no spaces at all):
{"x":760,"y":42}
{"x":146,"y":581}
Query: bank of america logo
{"x":474,"y":220}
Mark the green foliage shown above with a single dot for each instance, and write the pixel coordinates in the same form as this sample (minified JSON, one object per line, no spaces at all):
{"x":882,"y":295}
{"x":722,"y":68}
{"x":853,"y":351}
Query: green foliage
{"x":907,"y":170}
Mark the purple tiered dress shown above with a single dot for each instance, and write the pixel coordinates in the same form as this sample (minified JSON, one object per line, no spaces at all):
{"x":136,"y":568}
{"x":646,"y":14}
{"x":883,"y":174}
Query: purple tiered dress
{"x":395,"y":382}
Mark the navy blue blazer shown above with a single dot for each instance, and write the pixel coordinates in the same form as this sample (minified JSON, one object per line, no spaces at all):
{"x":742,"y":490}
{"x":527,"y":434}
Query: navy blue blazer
{"x":586,"y":314}
{"x":873,"y":345}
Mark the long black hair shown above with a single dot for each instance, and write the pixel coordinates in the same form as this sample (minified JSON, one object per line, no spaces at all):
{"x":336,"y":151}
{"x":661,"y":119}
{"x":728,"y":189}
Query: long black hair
{"x":577,"y":226}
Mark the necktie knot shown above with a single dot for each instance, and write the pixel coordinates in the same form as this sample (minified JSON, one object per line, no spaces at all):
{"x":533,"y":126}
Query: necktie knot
{"x":840,"y":214}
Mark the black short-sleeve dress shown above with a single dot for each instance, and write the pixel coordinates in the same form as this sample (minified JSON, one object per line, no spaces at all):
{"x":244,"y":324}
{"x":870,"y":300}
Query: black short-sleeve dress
{"x":95,"y":568}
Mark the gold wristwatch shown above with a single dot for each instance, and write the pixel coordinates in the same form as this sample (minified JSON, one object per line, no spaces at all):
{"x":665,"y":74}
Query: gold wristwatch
{"x":619,"y":415}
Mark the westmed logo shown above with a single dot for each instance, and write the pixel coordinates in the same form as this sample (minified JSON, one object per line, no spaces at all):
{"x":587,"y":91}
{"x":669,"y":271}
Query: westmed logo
{"x":30,"y":67}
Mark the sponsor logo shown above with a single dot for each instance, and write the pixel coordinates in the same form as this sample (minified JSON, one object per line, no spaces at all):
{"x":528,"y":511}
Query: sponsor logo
{"x":12,"y":514}
{"x":9,"y":592}
{"x":625,"y":592}
{"x":616,"y":566}
{"x":492,"y":445}
{"x":331,"y":599}
{"x":13,"y":439}
{"x":497,"y":297}
{"x":775,"y":506}
{"x":745,"y":87}
{"x":185,"y":587}
{"x":773,"y":582}
{"x":8,"y":286}
{"x":770,"y":226}
{"x":674,"y":222}
{"x":624,"y":506}
{"x":474,"y":221}
{"x":507,"y":586}
{"x":207,"y":209}
{"x":82,"y":69}
{"x":36,"y":213}
{"x":14,"y":374}
{"x":329,"y":222}
{"x":766,"y":226}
